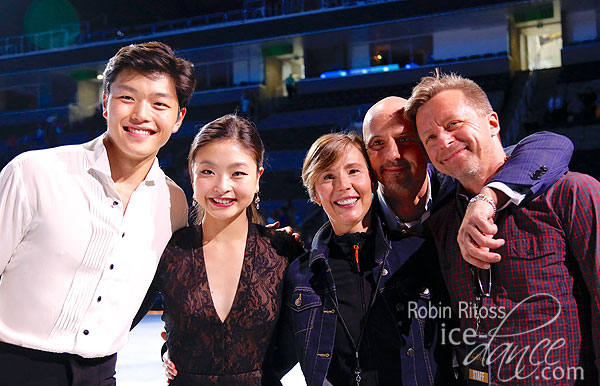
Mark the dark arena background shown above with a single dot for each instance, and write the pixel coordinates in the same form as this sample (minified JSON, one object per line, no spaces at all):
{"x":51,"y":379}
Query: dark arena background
{"x":539,"y":62}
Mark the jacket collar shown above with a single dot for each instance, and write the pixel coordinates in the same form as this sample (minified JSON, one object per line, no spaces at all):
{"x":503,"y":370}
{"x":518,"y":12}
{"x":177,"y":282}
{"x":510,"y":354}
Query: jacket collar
{"x":319,"y":249}
{"x":320,"y":245}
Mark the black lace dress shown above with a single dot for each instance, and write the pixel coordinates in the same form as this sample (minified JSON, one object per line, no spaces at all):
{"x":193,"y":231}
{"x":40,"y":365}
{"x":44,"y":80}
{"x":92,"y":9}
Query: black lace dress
{"x":205,"y":350}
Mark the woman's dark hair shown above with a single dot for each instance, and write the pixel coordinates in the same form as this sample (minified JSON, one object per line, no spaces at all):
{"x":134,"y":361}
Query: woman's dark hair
{"x":228,"y":127}
{"x":153,"y":58}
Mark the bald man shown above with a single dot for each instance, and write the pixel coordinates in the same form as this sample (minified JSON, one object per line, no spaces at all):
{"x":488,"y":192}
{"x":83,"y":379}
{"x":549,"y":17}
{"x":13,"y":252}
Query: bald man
{"x":398,"y":159}
{"x":407,"y":333}
{"x":410,"y":188}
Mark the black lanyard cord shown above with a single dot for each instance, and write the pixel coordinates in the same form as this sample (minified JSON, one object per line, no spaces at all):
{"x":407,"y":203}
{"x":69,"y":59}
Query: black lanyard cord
{"x":356,"y":345}
{"x":481,"y":277}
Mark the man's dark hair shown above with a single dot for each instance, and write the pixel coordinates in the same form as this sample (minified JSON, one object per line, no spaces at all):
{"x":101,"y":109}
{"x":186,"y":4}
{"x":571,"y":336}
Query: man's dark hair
{"x":153,"y":58}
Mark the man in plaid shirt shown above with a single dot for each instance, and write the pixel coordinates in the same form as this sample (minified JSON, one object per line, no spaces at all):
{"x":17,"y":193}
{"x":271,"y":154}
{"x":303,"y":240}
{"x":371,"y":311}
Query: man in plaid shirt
{"x":534,"y":316}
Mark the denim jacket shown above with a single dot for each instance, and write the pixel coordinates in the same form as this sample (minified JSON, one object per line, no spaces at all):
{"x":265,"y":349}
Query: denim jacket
{"x":410,"y":278}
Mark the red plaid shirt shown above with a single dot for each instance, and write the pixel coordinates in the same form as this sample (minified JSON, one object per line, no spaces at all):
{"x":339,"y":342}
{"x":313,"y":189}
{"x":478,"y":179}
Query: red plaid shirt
{"x":549,"y":269}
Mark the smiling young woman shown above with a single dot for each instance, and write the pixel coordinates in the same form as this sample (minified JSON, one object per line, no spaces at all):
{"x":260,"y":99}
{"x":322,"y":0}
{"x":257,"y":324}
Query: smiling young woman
{"x":221,"y":279}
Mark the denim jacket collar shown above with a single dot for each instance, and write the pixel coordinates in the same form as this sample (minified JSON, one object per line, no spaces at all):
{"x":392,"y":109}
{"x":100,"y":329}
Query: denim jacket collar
{"x":320,"y":245}
{"x":319,"y":249}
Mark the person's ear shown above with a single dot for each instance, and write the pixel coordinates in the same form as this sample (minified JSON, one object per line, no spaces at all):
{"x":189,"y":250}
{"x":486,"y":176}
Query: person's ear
{"x":494,"y":123}
{"x":179,"y":121}
{"x":260,"y":172}
{"x":104,"y":102}
{"x":317,"y":201}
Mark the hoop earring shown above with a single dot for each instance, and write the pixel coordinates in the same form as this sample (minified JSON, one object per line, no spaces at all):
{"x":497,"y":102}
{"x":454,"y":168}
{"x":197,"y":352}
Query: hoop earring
{"x":257,"y":201}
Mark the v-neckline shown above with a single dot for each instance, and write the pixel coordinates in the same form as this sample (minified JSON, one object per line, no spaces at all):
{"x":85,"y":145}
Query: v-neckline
{"x":239,"y":283}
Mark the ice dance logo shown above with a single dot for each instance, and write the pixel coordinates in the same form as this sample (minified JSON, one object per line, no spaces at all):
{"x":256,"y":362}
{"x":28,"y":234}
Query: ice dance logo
{"x":526,"y":362}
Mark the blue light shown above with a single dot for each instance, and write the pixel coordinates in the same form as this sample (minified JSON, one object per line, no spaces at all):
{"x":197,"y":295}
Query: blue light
{"x":359,"y":71}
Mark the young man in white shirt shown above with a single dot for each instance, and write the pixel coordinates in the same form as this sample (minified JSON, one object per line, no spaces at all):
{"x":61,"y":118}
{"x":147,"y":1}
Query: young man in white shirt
{"x":84,"y":226}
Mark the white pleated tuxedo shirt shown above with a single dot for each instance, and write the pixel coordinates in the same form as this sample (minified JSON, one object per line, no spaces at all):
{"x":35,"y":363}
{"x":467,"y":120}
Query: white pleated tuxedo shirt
{"x":74,"y":268}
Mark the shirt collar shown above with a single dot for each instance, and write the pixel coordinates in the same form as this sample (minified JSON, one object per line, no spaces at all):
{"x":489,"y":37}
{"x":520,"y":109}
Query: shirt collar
{"x":462,"y":199}
{"x":98,"y":160}
{"x":96,"y":155}
{"x":394,"y":223}
{"x":154,"y":173}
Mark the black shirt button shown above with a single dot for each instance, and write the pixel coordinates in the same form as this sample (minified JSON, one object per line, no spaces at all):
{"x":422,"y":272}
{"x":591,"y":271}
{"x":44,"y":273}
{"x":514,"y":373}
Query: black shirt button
{"x":86,"y":332}
{"x":112,"y":266}
{"x":123,"y":235}
{"x":99,"y":298}
{"x":115,"y":203}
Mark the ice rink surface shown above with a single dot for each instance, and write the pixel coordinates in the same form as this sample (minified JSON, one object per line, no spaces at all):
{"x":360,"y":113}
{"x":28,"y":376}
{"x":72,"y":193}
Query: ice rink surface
{"x":139,"y":363}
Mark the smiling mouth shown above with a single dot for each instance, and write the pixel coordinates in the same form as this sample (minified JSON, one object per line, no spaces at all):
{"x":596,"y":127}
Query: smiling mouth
{"x":346,"y":202}
{"x":455,"y":154}
{"x":223,"y":201}
{"x":138,"y":131}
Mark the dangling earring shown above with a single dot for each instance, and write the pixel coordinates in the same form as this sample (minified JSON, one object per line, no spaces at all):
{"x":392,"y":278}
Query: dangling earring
{"x":257,"y":201}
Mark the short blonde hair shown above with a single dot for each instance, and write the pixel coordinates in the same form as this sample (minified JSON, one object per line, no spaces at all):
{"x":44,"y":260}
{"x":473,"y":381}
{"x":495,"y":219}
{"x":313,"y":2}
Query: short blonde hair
{"x":326,"y":151}
{"x":430,"y":86}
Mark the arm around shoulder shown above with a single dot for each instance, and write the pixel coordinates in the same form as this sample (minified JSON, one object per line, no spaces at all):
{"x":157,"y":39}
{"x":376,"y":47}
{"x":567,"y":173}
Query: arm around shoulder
{"x":285,"y":244}
{"x":536,"y":163}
